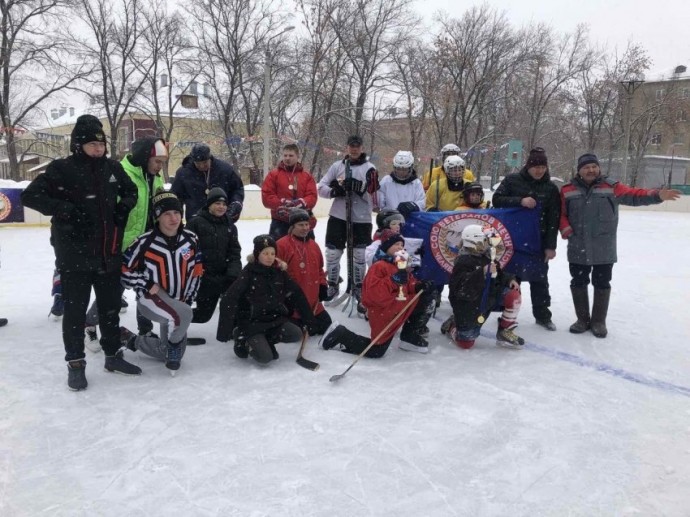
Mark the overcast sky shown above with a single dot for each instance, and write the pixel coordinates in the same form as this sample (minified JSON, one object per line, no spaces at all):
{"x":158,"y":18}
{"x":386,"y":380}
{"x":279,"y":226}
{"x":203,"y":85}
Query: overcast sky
{"x":661,"y":26}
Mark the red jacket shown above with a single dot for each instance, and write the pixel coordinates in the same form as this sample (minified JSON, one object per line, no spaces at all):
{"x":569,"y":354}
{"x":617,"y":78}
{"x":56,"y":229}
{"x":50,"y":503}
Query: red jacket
{"x":281,"y":185}
{"x":305,"y":266}
{"x":379,"y":296}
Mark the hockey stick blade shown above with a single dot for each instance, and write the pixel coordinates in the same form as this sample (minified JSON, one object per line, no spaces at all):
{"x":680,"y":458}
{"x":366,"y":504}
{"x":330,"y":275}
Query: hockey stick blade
{"x":195,"y":341}
{"x":301,"y":360}
{"x":337,"y":301}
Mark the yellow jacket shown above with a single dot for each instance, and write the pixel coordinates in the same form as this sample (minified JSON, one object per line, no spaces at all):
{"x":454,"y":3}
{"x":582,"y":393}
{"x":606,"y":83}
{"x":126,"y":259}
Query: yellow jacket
{"x":482,"y":206}
{"x":439,"y":197}
{"x":437,"y":172}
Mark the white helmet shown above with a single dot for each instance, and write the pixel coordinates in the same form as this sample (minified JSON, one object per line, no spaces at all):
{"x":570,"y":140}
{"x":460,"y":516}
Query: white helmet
{"x":449,"y":149}
{"x":402,"y":164}
{"x":474,"y":239}
{"x":454,"y":167}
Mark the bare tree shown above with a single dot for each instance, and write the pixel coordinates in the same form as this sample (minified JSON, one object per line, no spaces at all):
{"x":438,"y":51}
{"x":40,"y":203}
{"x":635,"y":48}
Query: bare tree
{"x":34,"y":65}
{"x":115,"y":48}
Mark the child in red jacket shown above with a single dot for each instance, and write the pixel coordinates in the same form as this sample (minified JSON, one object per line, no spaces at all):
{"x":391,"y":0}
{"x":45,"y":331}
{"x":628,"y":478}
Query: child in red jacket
{"x":380,"y":296}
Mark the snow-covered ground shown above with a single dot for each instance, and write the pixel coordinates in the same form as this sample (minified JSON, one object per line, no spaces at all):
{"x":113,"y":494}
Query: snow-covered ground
{"x":570,"y":426}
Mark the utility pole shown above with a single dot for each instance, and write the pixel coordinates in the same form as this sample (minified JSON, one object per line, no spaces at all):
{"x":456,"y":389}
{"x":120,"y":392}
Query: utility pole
{"x":629,"y":86}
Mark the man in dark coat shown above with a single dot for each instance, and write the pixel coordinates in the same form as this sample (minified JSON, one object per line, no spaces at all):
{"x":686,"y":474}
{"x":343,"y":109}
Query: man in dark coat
{"x":89,"y":197}
{"x":532,"y":188}
{"x":220,"y":251}
{"x":200,"y":172}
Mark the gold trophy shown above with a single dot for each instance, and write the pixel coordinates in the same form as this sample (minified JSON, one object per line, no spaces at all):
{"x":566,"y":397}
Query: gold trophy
{"x":401,"y":262}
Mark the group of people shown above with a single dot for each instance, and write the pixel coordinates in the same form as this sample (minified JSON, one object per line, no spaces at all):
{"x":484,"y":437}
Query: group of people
{"x":114,"y":226}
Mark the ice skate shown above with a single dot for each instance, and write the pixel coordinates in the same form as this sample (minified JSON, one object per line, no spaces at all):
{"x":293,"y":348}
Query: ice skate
{"x":91,"y":340}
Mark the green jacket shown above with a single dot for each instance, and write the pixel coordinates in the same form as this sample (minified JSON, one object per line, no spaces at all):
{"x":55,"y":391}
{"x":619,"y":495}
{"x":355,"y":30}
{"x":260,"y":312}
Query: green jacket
{"x":136,"y":223}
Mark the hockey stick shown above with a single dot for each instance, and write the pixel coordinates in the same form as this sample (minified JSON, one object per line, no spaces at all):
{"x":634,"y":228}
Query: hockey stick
{"x":301,"y":360}
{"x":373,"y":341}
{"x":349,"y":291}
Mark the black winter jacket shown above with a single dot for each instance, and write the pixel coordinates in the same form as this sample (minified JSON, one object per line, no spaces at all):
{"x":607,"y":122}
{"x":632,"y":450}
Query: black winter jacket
{"x":89,"y":199}
{"x":520,"y":185}
{"x":258,"y":301}
{"x":192,"y":185}
{"x":219,"y":246}
{"x":467,"y":284}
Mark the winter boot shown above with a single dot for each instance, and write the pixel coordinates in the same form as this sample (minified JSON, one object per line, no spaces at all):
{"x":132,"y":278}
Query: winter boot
{"x":274,"y":351}
{"x":58,"y":308}
{"x":547,"y":324}
{"x":76,"y":375}
{"x":581,"y":303}
{"x":505,"y":337}
{"x":117,"y":364}
{"x":600,"y":308}
{"x":333,"y":336}
{"x":173,"y":356}
{"x":240,"y":347}
{"x":91,"y":342}
{"x":128,"y":339}
{"x":447,"y":325}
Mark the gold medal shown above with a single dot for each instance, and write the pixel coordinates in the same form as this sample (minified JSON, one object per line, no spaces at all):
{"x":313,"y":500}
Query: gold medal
{"x":207,"y":192}
{"x":481,"y":319}
{"x":291,"y":187}
{"x":302,"y":264}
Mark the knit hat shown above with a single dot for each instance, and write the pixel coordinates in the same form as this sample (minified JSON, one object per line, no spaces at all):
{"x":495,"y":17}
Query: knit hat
{"x":261,"y":242}
{"x":165,"y":201}
{"x":87,"y":129}
{"x":298,"y":215}
{"x":216,"y":194}
{"x":537,"y":156}
{"x":354,"y":140}
{"x":388,"y":238}
{"x":200,"y":153}
{"x":146,"y":148}
{"x":586,"y":159}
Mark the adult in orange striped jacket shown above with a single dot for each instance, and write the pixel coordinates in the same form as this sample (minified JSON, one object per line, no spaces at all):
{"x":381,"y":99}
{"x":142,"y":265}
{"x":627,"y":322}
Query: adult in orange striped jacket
{"x":163,"y":266}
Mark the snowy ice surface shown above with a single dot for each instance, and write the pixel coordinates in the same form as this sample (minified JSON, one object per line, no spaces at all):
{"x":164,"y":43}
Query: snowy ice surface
{"x":570,"y":426}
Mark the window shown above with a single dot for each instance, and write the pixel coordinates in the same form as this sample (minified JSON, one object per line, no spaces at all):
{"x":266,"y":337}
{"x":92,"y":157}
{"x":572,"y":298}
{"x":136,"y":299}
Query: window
{"x":660,"y":94}
{"x":677,"y":139}
{"x":682,"y":116}
{"x":685,"y":93}
{"x":656,"y":139}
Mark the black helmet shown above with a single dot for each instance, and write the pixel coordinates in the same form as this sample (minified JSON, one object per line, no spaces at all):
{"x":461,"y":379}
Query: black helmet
{"x":473,"y":187}
{"x":386,"y":216}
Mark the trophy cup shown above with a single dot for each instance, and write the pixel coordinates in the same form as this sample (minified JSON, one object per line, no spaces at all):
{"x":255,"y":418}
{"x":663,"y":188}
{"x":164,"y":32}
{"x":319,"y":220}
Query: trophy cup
{"x":401,"y":262}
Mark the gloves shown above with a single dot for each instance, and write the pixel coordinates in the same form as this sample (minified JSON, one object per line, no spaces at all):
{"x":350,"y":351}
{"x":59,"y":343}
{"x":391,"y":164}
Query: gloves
{"x":234,"y":211}
{"x":293,"y":203}
{"x":407,"y":207}
{"x":354,"y":185}
{"x":425,"y":285}
{"x":337,"y":189}
{"x":283,"y":213}
{"x":323,"y":293}
{"x":400,"y":277}
{"x":372,"y":181}
{"x":121,"y":214}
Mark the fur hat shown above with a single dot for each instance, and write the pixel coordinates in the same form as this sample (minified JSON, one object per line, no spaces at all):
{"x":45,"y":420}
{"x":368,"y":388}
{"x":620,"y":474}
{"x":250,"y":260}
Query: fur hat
{"x":165,"y":201}
{"x":586,"y":159}
{"x":298,"y":215}
{"x":261,"y":242}
{"x":87,"y":129}
{"x":537,"y":157}
{"x":216,"y":194}
{"x":388,"y":238}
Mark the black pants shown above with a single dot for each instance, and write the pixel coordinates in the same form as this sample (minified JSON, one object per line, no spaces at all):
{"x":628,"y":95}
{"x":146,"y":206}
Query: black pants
{"x":76,"y":290}
{"x":322,"y":322}
{"x":601,"y":275}
{"x":278,"y":229}
{"x":210,"y":291}
{"x":539,"y":293}
{"x":261,"y":345}
{"x":356,"y":344}
{"x":336,"y":233}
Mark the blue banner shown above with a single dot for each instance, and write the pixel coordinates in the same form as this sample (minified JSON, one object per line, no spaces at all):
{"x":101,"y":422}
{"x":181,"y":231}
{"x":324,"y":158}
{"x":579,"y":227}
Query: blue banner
{"x":518,"y":252}
{"x":11,"y":208}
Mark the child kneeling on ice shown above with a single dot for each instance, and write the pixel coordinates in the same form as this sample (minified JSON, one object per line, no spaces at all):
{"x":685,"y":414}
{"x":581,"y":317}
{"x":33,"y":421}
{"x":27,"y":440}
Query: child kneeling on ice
{"x":478,"y":286}
{"x":163,"y":266}
{"x":380,"y":296}
{"x":257,"y":303}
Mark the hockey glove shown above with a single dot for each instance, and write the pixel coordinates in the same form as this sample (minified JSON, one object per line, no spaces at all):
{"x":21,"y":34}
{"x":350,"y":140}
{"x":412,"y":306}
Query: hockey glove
{"x":234,"y":211}
{"x":400,"y":277}
{"x":337,"y":189}
{"x":425,"y":285}
{"x":354,"y":185}
{"x":407,"y":207}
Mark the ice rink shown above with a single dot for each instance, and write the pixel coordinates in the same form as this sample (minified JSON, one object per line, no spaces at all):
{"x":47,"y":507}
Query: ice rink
{"x":571,"y":426}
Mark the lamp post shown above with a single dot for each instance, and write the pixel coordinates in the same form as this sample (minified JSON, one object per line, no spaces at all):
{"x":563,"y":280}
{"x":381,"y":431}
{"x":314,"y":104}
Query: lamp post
{"x":630,"y":86}
{"x":267,"y":99}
